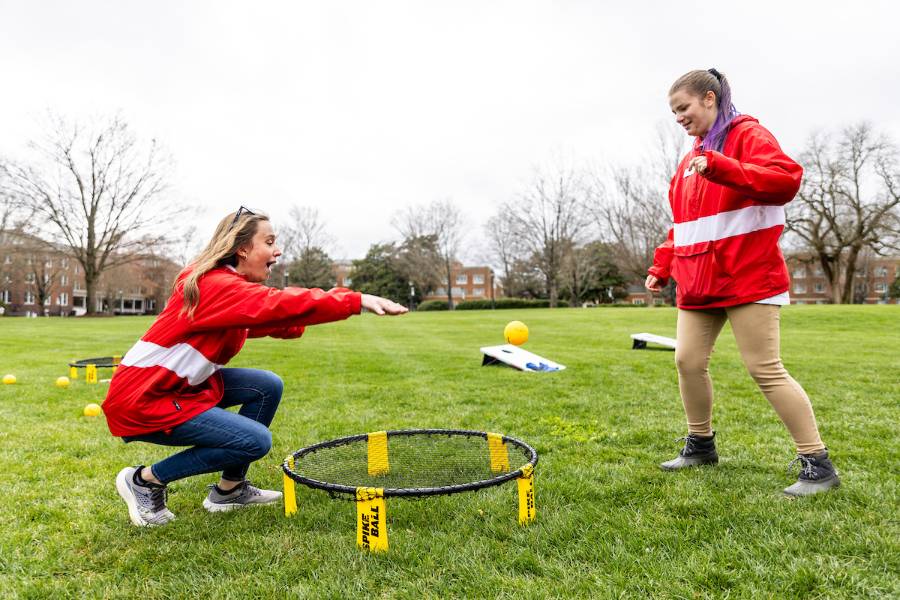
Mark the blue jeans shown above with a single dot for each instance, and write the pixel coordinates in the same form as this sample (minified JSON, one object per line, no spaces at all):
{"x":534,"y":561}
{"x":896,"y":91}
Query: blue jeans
{"x":223,"y":440}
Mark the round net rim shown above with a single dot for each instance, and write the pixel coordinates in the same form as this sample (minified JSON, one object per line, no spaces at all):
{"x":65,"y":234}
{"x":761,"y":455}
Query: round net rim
{"x":336,"y":488}
{"x":100,"y":361}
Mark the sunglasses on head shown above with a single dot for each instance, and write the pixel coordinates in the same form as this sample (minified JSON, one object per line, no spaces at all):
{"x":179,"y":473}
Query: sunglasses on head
{"x":243,"y":210}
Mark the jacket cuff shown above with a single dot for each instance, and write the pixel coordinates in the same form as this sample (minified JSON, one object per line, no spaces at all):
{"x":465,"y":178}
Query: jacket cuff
{"x":355,"y":303}
{"x":712,"y":160}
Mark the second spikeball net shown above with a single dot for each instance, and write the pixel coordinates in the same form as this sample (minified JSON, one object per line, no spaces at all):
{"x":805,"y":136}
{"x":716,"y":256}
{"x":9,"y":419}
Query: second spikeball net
{"x":90,"y":366}
{"x":410,"y":463}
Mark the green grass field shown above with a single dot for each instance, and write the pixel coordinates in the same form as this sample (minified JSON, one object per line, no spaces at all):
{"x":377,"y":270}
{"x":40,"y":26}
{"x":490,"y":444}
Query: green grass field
{"x":609,"y":522}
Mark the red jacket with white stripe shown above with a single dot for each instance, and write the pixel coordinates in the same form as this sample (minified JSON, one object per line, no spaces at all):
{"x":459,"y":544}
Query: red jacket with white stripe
{"x":171,"y":374}
{"x":723,"y":248}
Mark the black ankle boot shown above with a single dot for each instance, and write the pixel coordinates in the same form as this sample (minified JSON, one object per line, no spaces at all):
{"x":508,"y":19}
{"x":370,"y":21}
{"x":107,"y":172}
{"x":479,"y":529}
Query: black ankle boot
{"x":697,"y":451}
{"x":816,"y":475}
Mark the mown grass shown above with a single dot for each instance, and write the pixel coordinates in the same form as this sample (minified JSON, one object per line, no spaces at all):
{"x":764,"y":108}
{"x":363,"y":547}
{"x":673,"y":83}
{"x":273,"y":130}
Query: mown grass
{"x":610,"y":523}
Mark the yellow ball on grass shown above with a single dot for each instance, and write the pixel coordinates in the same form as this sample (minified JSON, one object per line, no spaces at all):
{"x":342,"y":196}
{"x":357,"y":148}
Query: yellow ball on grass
{"x":516,"y":333}
{"x":92,"y":410}
{"x":62,"y":382}
{"x":9,"y":379}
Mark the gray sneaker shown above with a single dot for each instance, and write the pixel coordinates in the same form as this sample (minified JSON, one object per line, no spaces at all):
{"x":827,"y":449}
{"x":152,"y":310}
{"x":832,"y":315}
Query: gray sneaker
{"x":816,"y":475}
{"x":146,"y":504}
{"x":245,"y":494}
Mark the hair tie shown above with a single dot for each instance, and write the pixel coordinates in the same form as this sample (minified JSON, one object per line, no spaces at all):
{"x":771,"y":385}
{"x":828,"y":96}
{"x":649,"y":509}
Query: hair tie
{"x":715,"y":74}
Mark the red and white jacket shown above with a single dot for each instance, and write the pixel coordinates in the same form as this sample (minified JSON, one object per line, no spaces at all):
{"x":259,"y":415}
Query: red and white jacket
{"x":171,"y":374}
{"x":723,"y":248}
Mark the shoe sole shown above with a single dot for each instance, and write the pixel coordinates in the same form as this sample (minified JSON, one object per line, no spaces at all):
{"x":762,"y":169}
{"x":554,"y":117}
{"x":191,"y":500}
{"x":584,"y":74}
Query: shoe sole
{"x":709,"y":463}
{"x":818,"y":487}
{"x":214,"y":507}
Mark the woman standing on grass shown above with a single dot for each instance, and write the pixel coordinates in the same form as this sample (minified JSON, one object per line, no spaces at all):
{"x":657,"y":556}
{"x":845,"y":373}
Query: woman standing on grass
{"x":727,"y":197}
{"x":171,"y":387}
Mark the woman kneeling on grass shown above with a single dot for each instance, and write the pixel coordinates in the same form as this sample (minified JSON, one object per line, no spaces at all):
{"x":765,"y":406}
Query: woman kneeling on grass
{"x":728,"y":196}
{"x":171,"y":389}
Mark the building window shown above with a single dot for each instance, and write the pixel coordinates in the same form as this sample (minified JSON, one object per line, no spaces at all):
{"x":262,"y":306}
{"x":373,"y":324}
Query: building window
{"x":29,"y":277}
{"x":818,"y":272}
{"x":638,"y":301}
{"x":880,"y":287}
{"x":63,"y":299}
{"x":799,"y":272}
{"x":820,"y":288}
{"x":47,"y":301}
{"x":76,"y":285}
{"x":7,"y":259}
{"x":881,"y":272}
{"x":478,"y":291}
{"x":462,"y":279}
{"x":64,"y":280}
{"x":4,"y":297}
{"x":440,"y":292}
{"x":799,"y":288}
{"x":64,"y":263}
{"x":478,"y":279}
{"x":459,"y":292}
{"x":29,"y":297}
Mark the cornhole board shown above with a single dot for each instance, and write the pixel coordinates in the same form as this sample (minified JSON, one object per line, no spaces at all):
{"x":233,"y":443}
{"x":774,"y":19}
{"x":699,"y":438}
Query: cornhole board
{"x":640,"y":341}
{"x":515,"y":357}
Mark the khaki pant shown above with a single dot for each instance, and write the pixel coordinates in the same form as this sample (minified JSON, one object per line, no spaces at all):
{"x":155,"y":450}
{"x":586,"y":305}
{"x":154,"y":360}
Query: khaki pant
{"x":756,"y":330}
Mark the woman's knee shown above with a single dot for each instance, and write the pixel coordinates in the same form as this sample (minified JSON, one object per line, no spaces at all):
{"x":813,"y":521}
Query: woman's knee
{"x":691,"y":364}
{"x":274,"y":385}
{"x":258,"y":441}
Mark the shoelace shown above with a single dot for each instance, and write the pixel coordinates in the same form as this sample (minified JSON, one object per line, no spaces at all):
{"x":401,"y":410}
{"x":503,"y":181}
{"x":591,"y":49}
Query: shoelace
{"x":806,"y":463}
{"x":688,"y":443}
{"x":154,"y":499}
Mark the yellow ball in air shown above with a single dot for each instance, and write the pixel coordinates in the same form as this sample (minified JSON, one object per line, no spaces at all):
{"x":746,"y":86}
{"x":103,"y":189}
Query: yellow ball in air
{"x":92,"y":410}
{"x":62,"y":382}
{"x":516,"y":333}
{"x":9,"y":379}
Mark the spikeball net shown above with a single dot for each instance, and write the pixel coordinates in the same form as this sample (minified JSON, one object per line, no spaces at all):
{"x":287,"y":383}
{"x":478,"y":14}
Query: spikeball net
{"x":411,"y":463}
{"x":90,"y":366}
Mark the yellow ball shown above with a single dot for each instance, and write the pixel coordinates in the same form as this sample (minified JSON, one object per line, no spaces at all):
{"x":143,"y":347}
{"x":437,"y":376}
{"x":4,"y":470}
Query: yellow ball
{"x":9,"y":379}
{"x":516,"y":333}
{"x":92,"y":410}
{"x":62,"y":382}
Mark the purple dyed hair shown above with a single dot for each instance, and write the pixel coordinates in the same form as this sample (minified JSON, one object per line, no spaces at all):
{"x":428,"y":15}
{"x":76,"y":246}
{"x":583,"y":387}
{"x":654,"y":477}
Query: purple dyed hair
{"x":699,"y":83}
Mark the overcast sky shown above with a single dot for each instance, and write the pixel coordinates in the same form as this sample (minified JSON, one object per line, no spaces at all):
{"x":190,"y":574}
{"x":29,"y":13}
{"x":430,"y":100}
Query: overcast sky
{"x":362,"y":108}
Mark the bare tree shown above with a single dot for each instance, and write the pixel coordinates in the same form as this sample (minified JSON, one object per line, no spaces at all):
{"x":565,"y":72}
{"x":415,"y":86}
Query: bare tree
{"x":100,"y":192}
{"x":441,"y":220}
{"x":634,"y":214}
{"x":14,"y":214}
{"x":849,"y":201}
{"x":305,"y":242}
{"x":504,"y":245}
{"x":550,"y":217}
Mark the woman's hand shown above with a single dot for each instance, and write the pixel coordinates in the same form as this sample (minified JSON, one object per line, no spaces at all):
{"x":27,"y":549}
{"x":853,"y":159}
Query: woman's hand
{"x":382,"y":306}
{"x":698,"y":163}
{"x":652,"y":284}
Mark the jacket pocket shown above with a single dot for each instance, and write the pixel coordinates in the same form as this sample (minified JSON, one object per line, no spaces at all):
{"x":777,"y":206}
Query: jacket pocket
{"x":701,"y":279}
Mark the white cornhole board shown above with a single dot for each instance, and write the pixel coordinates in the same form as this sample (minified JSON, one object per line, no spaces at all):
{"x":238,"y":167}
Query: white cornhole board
{"x":515,"y":357}
{"x":641,"y":340}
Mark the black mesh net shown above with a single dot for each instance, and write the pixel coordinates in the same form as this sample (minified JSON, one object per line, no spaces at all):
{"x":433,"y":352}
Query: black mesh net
{"x":418,"y":462}
{"x":100,"y":361}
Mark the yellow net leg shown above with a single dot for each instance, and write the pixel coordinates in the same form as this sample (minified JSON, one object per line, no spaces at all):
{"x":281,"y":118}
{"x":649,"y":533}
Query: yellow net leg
{"x":378,"y":453}
{"x":499,"y":453}
{"x":371,"y":520}
{"x":526,"y":495}
{"x":90,"y":374}
{"x":290,"y":491}
{"x":73,"y":372}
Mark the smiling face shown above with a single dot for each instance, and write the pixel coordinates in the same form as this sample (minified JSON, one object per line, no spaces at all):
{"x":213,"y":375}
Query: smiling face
{"x":255,"y":262}
{"x":696,"y":114}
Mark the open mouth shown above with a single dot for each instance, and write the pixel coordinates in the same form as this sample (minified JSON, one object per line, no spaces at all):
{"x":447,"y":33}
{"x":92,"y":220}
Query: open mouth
{"x":270,"y":264}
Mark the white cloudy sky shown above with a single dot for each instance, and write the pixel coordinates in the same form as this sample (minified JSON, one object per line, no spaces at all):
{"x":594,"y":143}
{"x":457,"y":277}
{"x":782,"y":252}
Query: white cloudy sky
{"x":361,"y":108}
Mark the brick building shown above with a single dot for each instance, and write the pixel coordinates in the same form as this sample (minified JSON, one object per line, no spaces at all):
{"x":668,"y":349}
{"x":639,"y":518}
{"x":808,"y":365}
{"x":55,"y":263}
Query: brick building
{"x":40,"y":278}
{"x":469,"y":283}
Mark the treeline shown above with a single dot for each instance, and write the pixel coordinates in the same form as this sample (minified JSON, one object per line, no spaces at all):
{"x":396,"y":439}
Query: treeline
{"x":573,"y":232}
